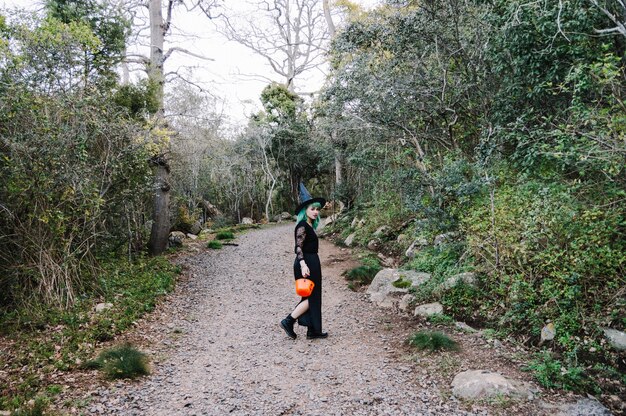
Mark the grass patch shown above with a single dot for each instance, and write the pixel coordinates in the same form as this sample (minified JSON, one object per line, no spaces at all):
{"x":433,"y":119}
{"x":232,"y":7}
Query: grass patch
{"x":121,"y":362}
{"x":360,"y":276}
{"x":401,"y":283}
{"x":433,"y":341}
{"x":47,"y":339}
{"x":440,"y":319}
{"x":225,"y":235}
{"x":214,"y":244}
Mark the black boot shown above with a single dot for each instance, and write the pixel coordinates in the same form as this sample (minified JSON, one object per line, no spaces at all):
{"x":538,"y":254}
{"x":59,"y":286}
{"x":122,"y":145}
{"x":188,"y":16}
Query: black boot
{"x":313,"y":335}
{"x":287,"y":325}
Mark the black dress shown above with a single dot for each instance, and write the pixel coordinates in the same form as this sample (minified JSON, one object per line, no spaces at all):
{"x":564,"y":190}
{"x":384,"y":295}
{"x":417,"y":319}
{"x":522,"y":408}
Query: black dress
{"x":306,"y":249}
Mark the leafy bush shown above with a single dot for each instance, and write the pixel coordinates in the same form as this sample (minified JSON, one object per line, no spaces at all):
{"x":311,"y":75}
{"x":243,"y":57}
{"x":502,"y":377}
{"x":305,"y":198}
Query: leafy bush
{"x":552,"y":373}
{"x":433,"y":341}
{"x":121,"y":362}
{"x":225,"y":235}
{"x":214,"y":244}
{"x":184,"y":221}
{"x":364,"y":274}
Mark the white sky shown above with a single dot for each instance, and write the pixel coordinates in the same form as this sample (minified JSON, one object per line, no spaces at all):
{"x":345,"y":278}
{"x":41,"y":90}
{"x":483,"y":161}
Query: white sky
{"x":222,"y":76}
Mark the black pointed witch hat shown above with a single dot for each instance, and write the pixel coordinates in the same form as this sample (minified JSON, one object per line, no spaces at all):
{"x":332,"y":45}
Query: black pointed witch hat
{"x":306,"y":199}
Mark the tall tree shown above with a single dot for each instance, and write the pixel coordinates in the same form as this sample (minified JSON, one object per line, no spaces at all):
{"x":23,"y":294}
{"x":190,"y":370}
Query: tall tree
{"x":289,"y":34}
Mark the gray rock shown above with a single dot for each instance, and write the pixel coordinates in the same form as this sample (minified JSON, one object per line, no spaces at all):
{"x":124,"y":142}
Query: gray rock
{"x":385,"y":261}
{"x":176,"y":239}
{"x":616,"y":338}
{"x":444,"y":238}
{"x":584,"y":407}
{"x":428,"y":309}
{"x":327,"y":221}
{"x":192,"y":236}
{"x":382,"y":291}
{"x":548,"y":332}
{"x":196,"y":228}
{"x":350,"y":240}
{"x":354,"y":222}
{"x":405,"y":303}
{"x":283,"y":216}
{"x":373,"y":244}
{"x":402,"y":238}
{"x":381,"y":230}
{"x":468,"y":278}
{"x":415,"y":246}
{"x":482,"y":384}
{"x":465,"y":327}
{"x":101,"y":307}
{"x":247,"y":221}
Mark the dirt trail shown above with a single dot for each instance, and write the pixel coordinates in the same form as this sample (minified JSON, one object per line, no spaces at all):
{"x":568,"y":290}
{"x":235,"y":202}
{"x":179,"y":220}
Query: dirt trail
{"x":221,"y":350}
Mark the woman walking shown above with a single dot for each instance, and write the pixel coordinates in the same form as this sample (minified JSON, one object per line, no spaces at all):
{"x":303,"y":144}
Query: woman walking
{"x":308,"y":312}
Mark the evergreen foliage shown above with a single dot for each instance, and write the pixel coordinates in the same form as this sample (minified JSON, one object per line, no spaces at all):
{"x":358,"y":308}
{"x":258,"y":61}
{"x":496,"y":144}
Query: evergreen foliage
{"x":433,"y":341}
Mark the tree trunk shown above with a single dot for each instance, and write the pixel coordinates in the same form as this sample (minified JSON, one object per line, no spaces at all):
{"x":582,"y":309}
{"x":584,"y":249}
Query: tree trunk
{"x":161,"y":218}
{"x":338,"y":167}
{"x":329,"y":19}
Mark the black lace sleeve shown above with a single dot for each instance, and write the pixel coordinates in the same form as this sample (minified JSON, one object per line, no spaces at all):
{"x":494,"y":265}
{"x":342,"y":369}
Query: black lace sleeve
{"x":300,"y":236}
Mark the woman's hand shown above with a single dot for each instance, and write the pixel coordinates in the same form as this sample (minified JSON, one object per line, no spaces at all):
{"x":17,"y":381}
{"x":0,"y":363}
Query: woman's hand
{"x":305,"y":269}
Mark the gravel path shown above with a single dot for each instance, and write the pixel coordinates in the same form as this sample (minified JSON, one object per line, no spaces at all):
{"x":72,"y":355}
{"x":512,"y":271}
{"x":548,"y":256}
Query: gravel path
{"x":228,"y":355}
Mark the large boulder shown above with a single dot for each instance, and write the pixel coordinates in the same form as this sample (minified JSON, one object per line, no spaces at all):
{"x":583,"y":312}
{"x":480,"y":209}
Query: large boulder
{"x":247,"y":221}
{"x":196,"y":227}
{"x":384,"y":293}
{"x":485,"y":384}
{"x":350,"y":240}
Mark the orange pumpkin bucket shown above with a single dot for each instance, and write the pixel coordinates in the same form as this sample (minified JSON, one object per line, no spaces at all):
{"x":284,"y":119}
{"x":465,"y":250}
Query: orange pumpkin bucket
{"x":304,"y":287}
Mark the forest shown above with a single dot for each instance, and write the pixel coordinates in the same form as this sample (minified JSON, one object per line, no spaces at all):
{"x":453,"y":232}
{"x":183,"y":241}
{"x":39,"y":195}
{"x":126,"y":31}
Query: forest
{"x":495,"y":128}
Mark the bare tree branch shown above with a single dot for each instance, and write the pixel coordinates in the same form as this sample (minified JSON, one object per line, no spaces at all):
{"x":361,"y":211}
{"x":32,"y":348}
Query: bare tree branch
{"x":186,"y":52}
{"x":619,"y":26}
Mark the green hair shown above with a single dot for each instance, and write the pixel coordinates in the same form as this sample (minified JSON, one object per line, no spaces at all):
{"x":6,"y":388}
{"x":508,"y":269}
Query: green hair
{"x":302,"y":214}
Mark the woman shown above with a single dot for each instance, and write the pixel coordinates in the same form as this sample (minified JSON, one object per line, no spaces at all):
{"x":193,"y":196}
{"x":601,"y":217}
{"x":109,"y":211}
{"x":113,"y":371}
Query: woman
{"x":308,"y":312}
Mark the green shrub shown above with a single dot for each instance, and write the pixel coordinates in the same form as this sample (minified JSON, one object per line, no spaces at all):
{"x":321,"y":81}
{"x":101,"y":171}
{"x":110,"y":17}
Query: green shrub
{"x":225,"y":235}
{"x":184,"y":220}
{"x":214,"y":244}
{"x":552,"y":373}
{"x":121,"y":362}
{"x":37,"y":408}
{"x":362,"y":275}
{"x":433,"y":341}
{"x":559,"y":259}
{"x":440,"y":319}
